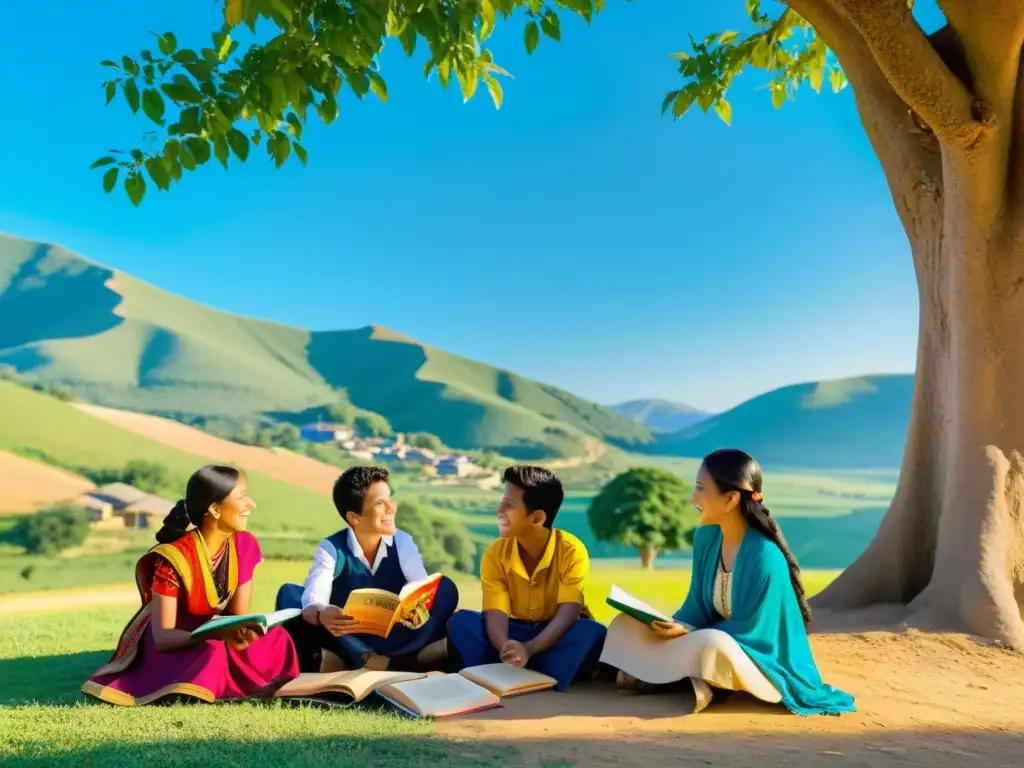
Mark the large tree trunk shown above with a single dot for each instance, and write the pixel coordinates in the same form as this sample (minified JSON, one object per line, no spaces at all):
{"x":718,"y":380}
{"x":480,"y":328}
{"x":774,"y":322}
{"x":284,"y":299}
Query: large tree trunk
{"x":945,"y":115}
{"x":647,"y":555}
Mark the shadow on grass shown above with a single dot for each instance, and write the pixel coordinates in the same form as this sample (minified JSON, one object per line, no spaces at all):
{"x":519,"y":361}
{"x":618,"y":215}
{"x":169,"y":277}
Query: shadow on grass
{"x":938,"y":748}
{"x":47,"y":679}
{"x":335,"y":751}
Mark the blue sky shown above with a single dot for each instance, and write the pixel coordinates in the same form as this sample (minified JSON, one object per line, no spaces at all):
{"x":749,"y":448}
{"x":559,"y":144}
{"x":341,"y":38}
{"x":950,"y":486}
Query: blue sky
{"x":573,"y":236}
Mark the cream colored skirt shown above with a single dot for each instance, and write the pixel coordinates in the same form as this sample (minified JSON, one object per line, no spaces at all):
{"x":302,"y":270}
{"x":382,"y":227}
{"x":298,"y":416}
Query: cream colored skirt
{"x":708,"y":654}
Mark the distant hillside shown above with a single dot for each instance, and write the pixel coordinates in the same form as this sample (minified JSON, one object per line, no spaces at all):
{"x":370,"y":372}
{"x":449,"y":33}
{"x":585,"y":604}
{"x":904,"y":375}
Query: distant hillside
{"x":121,"y":342}
{"x":847,"y":423}
{"x":660,"y":415}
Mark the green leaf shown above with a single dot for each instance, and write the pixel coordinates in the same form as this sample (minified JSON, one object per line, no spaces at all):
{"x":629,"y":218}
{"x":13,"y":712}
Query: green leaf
{"x":837,"y":80}
{"x":102,"y":162}
{"x":110,"y":180}
{"x":153,"y":105}
{"x":234,"y":11}
{"x":724,"y":110}
{"x":488,"y":15}
{"x":185,"y":158}
{"x":378,"y":86}
{"x":531,"y":36}
{"x":110,"y":90}
{"x":778,"y":95}
{"x":283,"y":8}
{"x":158,"y":173}
{"x":494,"y":89}
{"x":239,"y":144}
{"x":407,"y":37}
{"x":705,"y":99}
{"x":279,"y":148}
{"x":167,"y":42}
{"x":225,"y":48}
{"x":328,"y":110}
{"x":131,"y":94}
{"x":727,"y":37}
{"x":683,"y":102}
{"x":110,"y":64}
{"x":294,"y":125}
{"x":181,"y":89}
{"x":130,"y":66}
{"x":220,"y":150}
{"x":300,"y":152}
{"x":135,"y":186}
{"x":551,"y":26}
{"x":199,"y":148}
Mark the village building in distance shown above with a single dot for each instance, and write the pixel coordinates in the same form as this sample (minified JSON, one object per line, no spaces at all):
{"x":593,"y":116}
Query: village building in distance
{"x":442,"y":466}
{"x":118,"y":505}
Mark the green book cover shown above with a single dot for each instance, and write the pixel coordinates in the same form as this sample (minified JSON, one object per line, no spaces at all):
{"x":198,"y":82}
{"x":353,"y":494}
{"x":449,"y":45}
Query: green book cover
{"x":260,"y":622}
{"x":625,"y":603}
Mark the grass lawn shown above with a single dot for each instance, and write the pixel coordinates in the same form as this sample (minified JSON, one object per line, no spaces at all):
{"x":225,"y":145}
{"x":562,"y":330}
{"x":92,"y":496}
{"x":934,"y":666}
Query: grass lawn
{"x":44,"y":721}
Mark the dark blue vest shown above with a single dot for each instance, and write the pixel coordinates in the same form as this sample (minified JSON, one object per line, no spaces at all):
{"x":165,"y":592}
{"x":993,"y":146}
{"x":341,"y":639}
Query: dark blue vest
{"x":351,"y":573}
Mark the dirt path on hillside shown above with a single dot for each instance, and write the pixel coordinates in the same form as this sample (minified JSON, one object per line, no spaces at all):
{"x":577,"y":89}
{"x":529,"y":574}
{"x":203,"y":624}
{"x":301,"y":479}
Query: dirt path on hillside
{"x":592,"y":451}
{"x":26,"y":485}
{"x":941,"y":701}
{"x":284,"y":465}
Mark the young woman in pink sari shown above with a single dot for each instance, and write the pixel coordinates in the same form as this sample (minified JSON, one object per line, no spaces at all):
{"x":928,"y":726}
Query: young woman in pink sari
{"x":202,"y":567}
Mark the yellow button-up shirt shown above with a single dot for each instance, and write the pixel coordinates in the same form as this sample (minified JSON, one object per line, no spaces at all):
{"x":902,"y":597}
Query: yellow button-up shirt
{"x":558,"y":578}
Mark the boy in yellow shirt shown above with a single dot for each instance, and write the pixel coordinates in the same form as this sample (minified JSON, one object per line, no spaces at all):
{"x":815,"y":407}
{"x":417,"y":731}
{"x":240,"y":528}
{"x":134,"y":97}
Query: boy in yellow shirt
{"x":534,"y":613}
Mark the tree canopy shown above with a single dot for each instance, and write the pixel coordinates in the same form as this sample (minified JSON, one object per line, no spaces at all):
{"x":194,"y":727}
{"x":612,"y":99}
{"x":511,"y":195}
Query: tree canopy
{"x":246,"y":89}
{"x":644,"y":507}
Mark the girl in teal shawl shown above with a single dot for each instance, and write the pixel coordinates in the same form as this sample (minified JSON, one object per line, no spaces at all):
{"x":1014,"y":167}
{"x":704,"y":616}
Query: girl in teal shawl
{"x":746,"y":583}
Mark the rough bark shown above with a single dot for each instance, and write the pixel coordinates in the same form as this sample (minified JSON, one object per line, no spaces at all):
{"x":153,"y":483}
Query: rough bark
{"x":946,"y":117}
{"x":647,"y":555}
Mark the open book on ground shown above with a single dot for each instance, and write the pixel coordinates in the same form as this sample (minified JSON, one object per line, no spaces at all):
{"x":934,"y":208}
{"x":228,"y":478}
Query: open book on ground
{"x":624,"y":602}
{"x":378,"y":610}
{"x":342,"y":687}
{"x":258,"y":622}
{"x":471,"y":690}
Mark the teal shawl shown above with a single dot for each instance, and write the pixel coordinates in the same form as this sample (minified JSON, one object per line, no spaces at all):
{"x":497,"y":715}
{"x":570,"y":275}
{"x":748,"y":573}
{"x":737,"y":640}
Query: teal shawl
{"x":766,"y":620}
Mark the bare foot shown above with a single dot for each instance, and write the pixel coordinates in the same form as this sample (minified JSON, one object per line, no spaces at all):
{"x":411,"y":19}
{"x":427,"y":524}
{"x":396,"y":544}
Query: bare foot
{"x":627,"y":683}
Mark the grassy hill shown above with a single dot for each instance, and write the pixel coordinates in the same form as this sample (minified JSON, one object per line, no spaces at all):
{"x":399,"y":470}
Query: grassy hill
{"x":661,"y":415}
{"x":120,"y":342}
{"x":841,"y":424}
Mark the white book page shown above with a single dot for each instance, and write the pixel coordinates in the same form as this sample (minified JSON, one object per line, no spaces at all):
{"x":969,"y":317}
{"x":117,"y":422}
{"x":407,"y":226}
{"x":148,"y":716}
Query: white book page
{"x":620,"y":595}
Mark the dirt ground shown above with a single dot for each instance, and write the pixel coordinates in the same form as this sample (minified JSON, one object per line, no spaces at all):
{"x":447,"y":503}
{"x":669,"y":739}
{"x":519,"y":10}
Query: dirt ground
{"x":26,"y":485}
{"x":923,"y":700}
{"x":284,"y":465}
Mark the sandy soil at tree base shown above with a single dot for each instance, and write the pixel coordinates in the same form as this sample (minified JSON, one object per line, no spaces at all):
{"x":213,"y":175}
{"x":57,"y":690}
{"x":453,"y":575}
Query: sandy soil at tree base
{"x":26,"y":485}
{"x":284,"y":465}
{"x":937,"y":701}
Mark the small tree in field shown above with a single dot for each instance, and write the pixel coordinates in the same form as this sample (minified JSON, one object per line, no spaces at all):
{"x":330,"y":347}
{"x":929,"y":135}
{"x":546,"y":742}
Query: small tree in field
{"x":646,"y":508}
{"x":51,"y":531}
{"x":943,"y":112}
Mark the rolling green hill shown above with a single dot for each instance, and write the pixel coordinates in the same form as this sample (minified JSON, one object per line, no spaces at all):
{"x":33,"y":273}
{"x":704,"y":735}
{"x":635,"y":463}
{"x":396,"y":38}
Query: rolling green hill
{"x":120,"y":342}
{"x":842,"y":424}
{"x":661,"y":415}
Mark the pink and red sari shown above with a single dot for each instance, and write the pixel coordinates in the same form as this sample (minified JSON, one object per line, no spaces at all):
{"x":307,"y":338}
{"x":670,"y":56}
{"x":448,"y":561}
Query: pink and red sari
{"x":139,"y":674}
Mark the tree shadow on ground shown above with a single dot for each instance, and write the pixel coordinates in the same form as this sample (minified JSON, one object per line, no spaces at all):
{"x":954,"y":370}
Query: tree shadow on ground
{"x":882,"y":749}
{"x":334,"y":751}
{"x":47,"y":679}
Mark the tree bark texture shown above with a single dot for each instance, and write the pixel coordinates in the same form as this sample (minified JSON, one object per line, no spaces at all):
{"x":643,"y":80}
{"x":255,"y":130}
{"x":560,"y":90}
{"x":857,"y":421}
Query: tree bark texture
{"x":946,"y":119}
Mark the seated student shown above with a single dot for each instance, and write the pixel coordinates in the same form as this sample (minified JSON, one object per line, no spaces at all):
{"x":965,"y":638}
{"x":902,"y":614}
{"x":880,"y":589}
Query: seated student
{"x":202,"y":567}
{"x":371,"y":552}
{"x":534,"y":614}
{"x":745,"y":605}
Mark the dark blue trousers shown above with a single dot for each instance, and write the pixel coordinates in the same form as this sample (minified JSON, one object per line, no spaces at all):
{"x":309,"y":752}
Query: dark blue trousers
{"x":353,"y":649}
{"x":576,"y":653}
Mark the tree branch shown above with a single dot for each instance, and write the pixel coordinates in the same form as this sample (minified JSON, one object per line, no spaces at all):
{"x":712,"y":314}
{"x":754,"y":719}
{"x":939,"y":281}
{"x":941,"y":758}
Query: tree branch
{"x":916,"y":71}
{"x":908,"y":152}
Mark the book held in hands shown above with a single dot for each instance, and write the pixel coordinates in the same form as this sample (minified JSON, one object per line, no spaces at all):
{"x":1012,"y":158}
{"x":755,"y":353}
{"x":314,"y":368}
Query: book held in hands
{"x":257,"y":622}
{"x":379,"y":611}
{"x":622,"y":601}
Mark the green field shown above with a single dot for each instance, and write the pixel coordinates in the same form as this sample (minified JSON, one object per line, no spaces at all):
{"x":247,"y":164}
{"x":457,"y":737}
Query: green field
{"x":44,"y":658}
